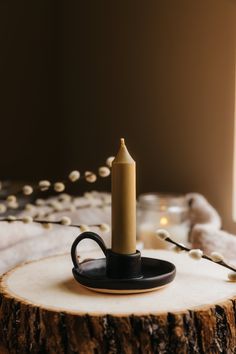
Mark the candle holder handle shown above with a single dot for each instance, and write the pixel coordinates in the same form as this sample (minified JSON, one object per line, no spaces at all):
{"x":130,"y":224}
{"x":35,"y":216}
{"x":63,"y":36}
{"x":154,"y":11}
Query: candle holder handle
{"x":86,"y":235}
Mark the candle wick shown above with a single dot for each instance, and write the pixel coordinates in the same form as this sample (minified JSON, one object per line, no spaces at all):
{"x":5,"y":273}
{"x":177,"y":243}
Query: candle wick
{"x":122,"y":141}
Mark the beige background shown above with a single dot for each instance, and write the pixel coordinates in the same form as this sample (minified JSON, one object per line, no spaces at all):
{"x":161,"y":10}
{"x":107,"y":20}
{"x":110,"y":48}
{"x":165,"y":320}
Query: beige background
{"x":78,"y":75}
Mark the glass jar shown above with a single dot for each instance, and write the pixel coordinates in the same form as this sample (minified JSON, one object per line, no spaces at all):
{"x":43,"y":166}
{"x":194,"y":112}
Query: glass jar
{"x":164,"y":211}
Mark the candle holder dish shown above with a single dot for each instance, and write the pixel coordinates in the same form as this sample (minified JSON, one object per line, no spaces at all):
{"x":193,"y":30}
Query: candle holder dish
{"x":120,"y":273}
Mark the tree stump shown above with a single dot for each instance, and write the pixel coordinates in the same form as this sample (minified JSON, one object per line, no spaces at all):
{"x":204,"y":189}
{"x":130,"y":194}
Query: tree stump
{"x":44,"y":310}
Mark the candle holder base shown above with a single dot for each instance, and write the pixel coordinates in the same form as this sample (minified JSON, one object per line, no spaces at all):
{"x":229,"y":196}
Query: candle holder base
{"x":136,"y":274}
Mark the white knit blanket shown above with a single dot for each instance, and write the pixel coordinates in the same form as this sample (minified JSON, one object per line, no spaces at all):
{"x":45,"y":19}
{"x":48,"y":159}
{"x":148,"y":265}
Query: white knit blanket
{"x":23,"y":242}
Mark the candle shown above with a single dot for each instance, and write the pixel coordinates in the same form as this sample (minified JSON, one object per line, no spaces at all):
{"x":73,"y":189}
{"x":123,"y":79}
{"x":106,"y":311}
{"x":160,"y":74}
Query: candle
{"x":165,"y":211}
{"x":123,"y":202}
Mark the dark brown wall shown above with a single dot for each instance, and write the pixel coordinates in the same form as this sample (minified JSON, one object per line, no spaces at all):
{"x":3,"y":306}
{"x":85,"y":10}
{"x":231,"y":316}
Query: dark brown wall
{"x":30,"y":111}
{"x":78,"y":75}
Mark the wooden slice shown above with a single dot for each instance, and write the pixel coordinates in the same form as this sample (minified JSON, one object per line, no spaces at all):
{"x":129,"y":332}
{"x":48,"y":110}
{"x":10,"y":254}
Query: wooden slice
{"x":44,"y":310}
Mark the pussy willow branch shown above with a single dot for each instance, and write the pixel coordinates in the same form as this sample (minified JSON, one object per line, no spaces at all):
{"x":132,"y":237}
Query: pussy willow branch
{"x":103,"y":203}
{"x":66,"y":182}
{"x":47,"y":222}
{"x":36,"y":188}
{"x":67,"y":209}
{"x":184,"y":248}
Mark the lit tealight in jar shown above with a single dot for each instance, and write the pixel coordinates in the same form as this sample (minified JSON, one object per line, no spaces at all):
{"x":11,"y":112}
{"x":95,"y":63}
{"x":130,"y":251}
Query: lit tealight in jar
{"x":164,"y":211}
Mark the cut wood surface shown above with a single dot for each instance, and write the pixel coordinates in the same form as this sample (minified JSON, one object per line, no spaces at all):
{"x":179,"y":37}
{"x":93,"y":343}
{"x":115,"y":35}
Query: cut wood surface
{"x":44,"y":310}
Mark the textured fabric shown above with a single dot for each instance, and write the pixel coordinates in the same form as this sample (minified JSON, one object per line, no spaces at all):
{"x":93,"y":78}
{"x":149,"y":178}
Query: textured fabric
{"x":23,"y":242}
{"x":206,"y":232}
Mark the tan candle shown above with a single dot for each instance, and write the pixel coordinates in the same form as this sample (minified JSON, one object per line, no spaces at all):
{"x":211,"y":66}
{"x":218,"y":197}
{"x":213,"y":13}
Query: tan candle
{"x":123,"y":202}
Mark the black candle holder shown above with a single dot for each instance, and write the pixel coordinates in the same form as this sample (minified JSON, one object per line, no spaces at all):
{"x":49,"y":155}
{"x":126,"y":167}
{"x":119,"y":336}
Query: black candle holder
{"x":120,"y":273}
